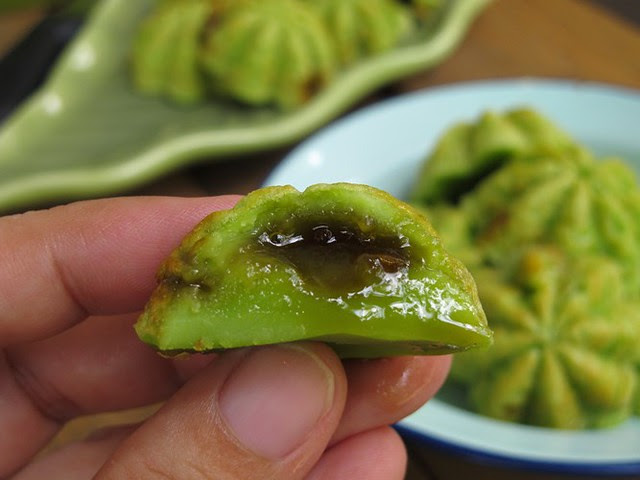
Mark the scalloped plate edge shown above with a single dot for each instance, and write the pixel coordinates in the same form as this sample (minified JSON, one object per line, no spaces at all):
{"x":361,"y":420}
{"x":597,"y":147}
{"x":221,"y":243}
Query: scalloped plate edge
{"x":162,"y":157}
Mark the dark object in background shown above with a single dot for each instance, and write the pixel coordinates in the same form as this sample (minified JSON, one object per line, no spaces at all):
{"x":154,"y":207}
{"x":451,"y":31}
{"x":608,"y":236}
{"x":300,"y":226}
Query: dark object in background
{"x":436,"y":463}
{"x":627,"y":9}
{"x":24,"y":68}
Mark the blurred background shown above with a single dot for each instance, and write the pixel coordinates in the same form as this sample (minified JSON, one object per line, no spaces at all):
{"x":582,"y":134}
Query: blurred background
{"x":582,"y":40}
{"x":595,"y":40}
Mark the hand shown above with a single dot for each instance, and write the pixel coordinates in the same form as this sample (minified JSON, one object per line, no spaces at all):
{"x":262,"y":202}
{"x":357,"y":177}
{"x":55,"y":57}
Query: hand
{"x":71,"y":281}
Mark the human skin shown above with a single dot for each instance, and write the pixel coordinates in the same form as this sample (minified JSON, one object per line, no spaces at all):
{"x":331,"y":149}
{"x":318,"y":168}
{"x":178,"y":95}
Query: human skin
{"x":72,"y":280}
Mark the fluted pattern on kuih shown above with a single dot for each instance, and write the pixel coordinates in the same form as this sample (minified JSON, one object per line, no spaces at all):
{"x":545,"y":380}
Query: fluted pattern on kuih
{"x":583,"y":205}
{"x":552,"y":237}
{"x":566,"y":343}
{"x":261,"y":52}
{"x":166,"y":50}
{"x":469,"y":151}
{"x":274,"y":51}
{"x":364,"y":27}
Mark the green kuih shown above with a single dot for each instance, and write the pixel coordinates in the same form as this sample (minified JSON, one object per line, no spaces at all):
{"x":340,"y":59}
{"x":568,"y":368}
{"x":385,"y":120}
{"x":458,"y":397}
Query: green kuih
{"x":552,"y":237}
{"x":468,"y":152}
{"x":340,"y":263}
{"x":361,"y":28}
{"x":166,"y":51}
{"x":269,"y":52}
{"x":583,"y":205}
{"x":566,"y":343}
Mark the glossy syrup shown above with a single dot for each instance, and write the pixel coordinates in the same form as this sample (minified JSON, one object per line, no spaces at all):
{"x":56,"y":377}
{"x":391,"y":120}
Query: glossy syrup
{"x":338,"y":258}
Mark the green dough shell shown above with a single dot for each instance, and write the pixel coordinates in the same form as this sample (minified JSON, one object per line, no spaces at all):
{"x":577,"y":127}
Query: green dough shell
{"x":269,"y":52}
{"x":552,"y":237}
{"x":341,"y":263}
{"x":361,"y":28}
{"x":583,"y":205}
{"x":566,"y":343}
{"x":467,"y":152}
{"x":166,"y":51}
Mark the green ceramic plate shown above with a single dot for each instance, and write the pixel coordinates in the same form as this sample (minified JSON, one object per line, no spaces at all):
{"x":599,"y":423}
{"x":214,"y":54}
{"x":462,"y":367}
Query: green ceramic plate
{"x":86,"y":132}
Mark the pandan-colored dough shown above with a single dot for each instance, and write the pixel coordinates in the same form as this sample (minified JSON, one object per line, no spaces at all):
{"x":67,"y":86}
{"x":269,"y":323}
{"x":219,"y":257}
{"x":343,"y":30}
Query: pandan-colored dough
{"x":467,"y":152}
{"x":566,"y":343}
{"x":258,"y":52}
{"x":166,"y":50}
{"x":362,"y":28}
{"x":583,"y":205}
{"x":345,"y":264}
{"x":262,"y":52}
{"x":269,"y":52}
{"x":552,"y":237}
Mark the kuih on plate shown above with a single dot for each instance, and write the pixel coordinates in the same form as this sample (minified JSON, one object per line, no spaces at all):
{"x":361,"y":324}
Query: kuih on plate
{"x":89,"y":132}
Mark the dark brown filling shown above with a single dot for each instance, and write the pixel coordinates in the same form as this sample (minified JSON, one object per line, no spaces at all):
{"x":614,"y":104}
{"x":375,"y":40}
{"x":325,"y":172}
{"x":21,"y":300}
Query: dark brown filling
{"x":338,"y":258}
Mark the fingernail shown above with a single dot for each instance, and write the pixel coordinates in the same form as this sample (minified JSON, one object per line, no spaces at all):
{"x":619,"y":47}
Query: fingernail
{"x":275,"y":397}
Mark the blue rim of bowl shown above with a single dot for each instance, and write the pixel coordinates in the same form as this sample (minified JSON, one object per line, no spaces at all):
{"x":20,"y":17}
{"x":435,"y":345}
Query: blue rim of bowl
{"x":546,"y":466}
{"x":599,"y":469}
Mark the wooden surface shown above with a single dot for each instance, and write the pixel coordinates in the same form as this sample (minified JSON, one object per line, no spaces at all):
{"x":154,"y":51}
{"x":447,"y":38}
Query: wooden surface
{"x":513,"y":38}
{"x":15,"y":24}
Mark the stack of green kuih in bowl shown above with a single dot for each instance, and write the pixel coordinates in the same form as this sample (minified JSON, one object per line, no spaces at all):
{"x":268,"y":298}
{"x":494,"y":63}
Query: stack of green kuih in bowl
{"x":552,"y":236}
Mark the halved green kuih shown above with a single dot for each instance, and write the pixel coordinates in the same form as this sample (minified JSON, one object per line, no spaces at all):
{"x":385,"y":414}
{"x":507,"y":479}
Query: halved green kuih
{"x":346,"y":264}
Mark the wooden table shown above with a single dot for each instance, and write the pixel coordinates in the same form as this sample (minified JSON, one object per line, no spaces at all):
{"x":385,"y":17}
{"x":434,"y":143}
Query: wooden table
{"x":512,"y":38}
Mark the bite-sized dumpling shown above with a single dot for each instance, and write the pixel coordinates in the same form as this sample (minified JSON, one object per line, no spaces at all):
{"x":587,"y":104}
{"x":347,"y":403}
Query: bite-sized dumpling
{"x":581,"y":204}
{"x":269,"y":52}
{"x":467,"y":152}
{"x":345,"y":264}
{"x":566,"y":335}
{"x":362,"y":28}
{"x":166,"y":51}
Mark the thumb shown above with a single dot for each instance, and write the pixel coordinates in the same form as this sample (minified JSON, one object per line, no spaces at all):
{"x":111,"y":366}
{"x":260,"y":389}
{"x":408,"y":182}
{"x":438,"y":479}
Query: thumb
{"x":266,"y":412}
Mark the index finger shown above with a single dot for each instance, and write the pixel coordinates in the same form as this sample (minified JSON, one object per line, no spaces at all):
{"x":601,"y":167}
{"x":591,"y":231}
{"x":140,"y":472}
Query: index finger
{"x":89,"y":258}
